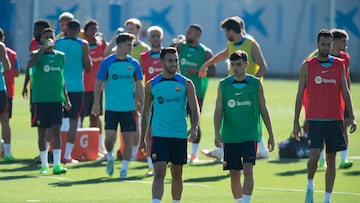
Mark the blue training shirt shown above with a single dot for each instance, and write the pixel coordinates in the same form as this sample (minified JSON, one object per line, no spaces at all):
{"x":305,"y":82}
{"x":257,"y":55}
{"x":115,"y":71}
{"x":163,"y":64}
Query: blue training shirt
{"x":119,"y":78}
{"x":73,"y":69}
{"x":169,"y":107}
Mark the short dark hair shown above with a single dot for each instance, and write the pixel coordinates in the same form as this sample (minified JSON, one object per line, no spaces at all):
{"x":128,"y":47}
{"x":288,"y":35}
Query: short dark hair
{"x":324,"y":33}
{"x":239,"y":54}
{"x":89,"y":23}
{"x":124,"y":37}
{"x":42,"y":23}
{"x":164,"y":51}
{"x":73,"y":24}
{"x":234,"y":23}
{"x":197,"y":27}
{"x":47,"y":30}
{"x":339,"y":34}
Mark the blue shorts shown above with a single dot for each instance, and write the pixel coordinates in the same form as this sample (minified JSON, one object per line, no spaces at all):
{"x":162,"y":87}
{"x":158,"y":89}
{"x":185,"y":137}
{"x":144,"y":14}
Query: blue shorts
{"x":172,"y":150}
{"x":3,"y":102}
{"x":235,"y":154}
{"x":45,"y":115}
{"x":329,"y":132}
{"x":126,"y":119}
{"x":77,"y":105}
{"x":88,"y":103}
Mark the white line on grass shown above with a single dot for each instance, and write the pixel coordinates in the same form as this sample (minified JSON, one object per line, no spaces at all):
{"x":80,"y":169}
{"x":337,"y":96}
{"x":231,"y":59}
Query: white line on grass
{"x":297,"y":190}
{"x":54,"y":177}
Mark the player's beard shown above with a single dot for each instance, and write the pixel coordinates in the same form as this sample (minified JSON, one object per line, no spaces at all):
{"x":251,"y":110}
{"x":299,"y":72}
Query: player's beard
{"x":189,"y":41}
{"x":230,"y":38}
{"x":157,"y":45}
{"x":171,"y":69}
{"x":324,"y":53}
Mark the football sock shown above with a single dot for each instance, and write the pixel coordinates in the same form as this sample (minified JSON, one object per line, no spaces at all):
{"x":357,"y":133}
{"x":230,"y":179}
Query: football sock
{"x":47,"y":145}
{"x":68,"y":150}
{"x":149,"y":161}
{"x":44,"y":158}
{"x":246,"y":198}
{"x":310,"y":184}
{"x":327,"y":197}
{"x":110,"y":155}
{"x":195,"y":149}
{"x":133,"y":152}
{"x":344,"y":154}
{"x":238,"y":200}
{"x":125,"y":165}
{"x":56,"y":156}
{"x":175,"y":201}
{"x":7,"y":149}
{"x":156,"y":201}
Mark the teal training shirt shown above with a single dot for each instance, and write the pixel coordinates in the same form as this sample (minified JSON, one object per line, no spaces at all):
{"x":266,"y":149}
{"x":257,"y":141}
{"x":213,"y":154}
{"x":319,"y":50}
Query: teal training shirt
{"x":241,"y":118}
{"x":169,"y":107}
{"x":120,"y":77}
{"x":73,"y":70}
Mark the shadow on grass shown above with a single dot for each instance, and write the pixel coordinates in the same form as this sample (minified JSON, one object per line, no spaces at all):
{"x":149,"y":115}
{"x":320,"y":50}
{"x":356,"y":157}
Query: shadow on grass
{"x":284,"y":161}
{"x":204,"y":163}
{"x":89,"y":164}
{"x":206,"y":179}
{"x":95,"y":181}
{"x":19,"y":165}
{"x":292,"y":173}
{"x":351,"y":173}
{"x":15,"y":177}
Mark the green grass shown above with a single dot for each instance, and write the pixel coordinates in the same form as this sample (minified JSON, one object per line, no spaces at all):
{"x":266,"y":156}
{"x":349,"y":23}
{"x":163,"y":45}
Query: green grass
{"x":275,"y":180}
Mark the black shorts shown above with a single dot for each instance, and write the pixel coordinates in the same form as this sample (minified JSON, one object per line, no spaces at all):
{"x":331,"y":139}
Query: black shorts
{"x":172,"y":150}
{"x":45,"y":115}
{"x":3,"y":102}
{"x":88,"y":103}
{"x":10,"y":105}
{"x":235,"y":154}
{"x":126,"y":119}
{"x":77,"y":105}
{"x":328,"y":132}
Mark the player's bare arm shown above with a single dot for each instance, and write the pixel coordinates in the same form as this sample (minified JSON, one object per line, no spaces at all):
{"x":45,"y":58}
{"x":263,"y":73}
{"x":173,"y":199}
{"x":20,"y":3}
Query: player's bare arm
{"x":86,"y":56}
{"x":266,"y":117}
{"x":299,"y":100}
{"x":146,"y":114}
{"x":222,"y":55}
{"x":218,"y":118}
{"x":259,"y":59}
{"x":194,"y":109}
